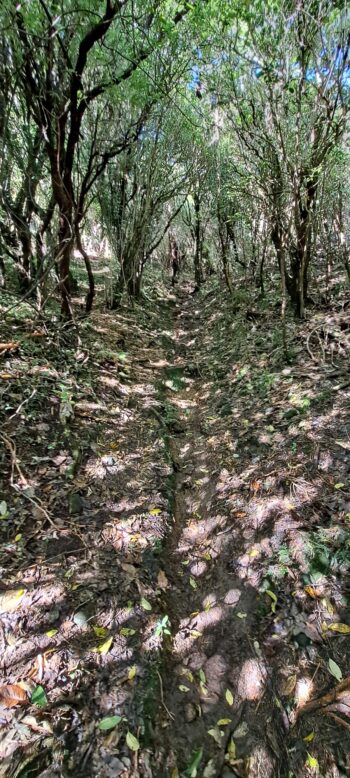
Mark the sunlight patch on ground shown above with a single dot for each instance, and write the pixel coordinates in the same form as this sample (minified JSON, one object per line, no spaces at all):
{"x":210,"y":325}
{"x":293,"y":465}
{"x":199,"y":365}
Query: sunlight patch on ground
{"x":261,"y":764}
{"x":190,"y":628}
{"x":252,"y":678}
{"x":303,"y":691}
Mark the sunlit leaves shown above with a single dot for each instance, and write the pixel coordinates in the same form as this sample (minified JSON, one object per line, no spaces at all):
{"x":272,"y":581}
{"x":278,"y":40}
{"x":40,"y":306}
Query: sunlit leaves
{"x":10,"y":600}
{"x":132,"y":742}
{"x":131,"y":673}
{"x":145,"y":604}
{"x":12,"y":695}
{"x":343,"y":629}
{"x":312,"y":762}
{"x":229,"y":697}
{"x":104,"y":647}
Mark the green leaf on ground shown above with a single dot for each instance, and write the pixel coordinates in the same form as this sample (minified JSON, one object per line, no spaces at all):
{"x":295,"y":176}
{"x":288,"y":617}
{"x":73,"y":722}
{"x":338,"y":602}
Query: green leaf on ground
{"x":132,"y":742}
{"x":39,"y":697}
{"x":109,"y":722}
{"x":145,"y":604}
{"x":334,"y":669}
{"x":191,"y":771}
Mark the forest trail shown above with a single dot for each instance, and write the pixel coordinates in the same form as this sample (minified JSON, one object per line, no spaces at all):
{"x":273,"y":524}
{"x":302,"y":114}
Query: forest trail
{"x":212,"y":614}
{"x":174,"y":552}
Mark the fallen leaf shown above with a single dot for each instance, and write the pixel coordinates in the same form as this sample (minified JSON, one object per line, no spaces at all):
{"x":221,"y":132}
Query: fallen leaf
{"x":155,"y":511}
{"x":311,"y":592}
{"x":274,"y":600}
{"x":3,"y":509}
{"x":231,"y":751}
{"x":127,"y":631}
{"x":194,"y":764}
{"x":328,"y":605}
{"x":175,"y":773}
{"x":132,"y":673}
{"x":104,"y":647}
{"x":132,"y":742}
{"x":39,"y":697}
{"x":38,"y":726}
{"x":339,"y":486}
{"x":11,"y":695}
{"x":193,"y":583}
{"x":10,"y":600}
{"x":344,"y":629}
{"x":229,"y":697}
{"x":109,"y":722}
{"x":309,"y":738}
{"x":183,"y":688}
{"x":289,"y":685}
{"x":223,"y":722}
{"x":241,"y":615}
{"x":162,"y":581}
{"x":215,"y":734}
{"x":195,"y":633}
{"x":334,"y":669}
{"x":145,"y":604}
{"x":210,"y":770}
{"x":187,"y":673}
{"x":312,"y":762}
{"x":100,"y":632}
{"x":51,"y":633}
{"x":202,"y":676}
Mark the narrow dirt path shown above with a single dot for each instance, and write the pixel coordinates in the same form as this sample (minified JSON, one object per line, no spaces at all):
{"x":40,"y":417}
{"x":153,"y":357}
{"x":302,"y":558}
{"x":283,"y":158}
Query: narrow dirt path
{"x":213,"y":678}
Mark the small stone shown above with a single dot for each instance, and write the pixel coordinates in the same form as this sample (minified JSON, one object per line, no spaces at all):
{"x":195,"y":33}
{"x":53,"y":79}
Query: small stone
{"x":80,"y":619}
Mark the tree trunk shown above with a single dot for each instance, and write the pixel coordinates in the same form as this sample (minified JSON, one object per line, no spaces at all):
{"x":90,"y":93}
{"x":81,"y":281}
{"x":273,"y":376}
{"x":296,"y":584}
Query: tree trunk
{"x":91,"y":293}
{"x":63,"y":259}
{"x":198,"y":274}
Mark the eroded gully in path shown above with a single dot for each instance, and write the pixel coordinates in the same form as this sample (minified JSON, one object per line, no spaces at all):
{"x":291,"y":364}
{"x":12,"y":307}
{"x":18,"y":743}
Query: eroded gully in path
{"x":216,"y":691}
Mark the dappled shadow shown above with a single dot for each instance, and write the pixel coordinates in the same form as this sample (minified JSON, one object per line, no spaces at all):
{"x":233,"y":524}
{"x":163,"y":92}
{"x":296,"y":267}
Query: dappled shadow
{"x":198,"y":498}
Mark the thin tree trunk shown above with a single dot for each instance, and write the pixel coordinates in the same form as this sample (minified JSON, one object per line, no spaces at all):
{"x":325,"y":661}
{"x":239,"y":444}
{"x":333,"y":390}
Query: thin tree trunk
{"x":91,"y":293}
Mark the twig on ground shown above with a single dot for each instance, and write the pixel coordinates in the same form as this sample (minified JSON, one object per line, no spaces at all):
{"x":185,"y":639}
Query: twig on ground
{"x":24,"y":402}
{"x":171,"y":715}
{"x":15,"y":466}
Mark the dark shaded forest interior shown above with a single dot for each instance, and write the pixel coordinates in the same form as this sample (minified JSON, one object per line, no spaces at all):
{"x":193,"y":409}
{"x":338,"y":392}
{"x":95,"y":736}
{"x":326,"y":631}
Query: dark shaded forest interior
{"x":174,"y":383}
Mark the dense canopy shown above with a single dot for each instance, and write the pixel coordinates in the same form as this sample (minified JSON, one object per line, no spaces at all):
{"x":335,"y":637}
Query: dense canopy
{"x":174,"y":388}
